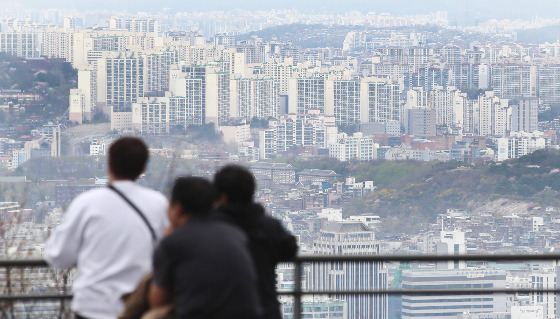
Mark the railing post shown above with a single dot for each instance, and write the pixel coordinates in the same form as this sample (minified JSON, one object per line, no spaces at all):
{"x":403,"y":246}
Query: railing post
{"x":297,"y":289}
{"x":62,"y":309}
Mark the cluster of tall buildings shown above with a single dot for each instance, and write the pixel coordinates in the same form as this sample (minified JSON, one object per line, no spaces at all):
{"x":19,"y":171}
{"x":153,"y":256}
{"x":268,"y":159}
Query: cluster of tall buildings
{"x":156,"y":82}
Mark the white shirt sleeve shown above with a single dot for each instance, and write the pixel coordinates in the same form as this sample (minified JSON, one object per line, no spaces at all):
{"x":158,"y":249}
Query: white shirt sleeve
{"x":62,"y":247}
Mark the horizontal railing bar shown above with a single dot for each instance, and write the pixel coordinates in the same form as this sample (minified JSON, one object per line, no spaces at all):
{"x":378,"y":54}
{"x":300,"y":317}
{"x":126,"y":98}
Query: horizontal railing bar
{"x":360,"y":258}
{"x":34,"y":297}
{"x":407,"y":258}
{"x":24,"y":263}
{"x":420,"y":291}
{"x":336,"y":292}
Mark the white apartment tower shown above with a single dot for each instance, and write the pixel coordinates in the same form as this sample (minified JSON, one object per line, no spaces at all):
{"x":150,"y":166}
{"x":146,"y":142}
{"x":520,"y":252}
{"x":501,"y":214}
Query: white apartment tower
{"x":21,"y":44}
{"x":58,"y":43}
{"x":510,"y":81}
{"x":492,"y":115}
{"x":76,"y":109}
{"x":549,"y":301}
{"x":449,"y":104}
{"x":254,"y":98}
{"x":519,"y":144}
{"x":355,"y":147}
{"x":281,"y":72}
{"x":451,"y":243}
{"x":69,"y":23}
{"x":83,"y":100}
{"x":306,"y":94}
{"x":350,"y":238}
{"x":380,"y":101}
{"x":121,"y":82}
{"x":549,"y":84}
{"x":159,"y":115}
{"x":343,"y":100}
{"x":205,"y":86}
{"x":157,"y":66}
{"x":297,"y":130}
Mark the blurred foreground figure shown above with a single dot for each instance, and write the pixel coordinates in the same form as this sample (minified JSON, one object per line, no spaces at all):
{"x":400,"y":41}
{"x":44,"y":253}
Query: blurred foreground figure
{"x":269,"y":242}
{"x":110,"y":234}
{"x":204,"y":265}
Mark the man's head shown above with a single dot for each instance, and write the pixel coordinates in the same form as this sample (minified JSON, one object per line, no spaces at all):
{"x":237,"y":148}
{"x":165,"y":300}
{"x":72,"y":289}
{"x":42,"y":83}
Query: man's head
{"x":234,"y":184}
{"x":127,"y":158}
{"x":190,"y":196}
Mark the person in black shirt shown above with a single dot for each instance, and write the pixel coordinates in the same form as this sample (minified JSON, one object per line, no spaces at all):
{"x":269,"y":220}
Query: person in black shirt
{"x":204,"y":265}
{"x":269,"y":242}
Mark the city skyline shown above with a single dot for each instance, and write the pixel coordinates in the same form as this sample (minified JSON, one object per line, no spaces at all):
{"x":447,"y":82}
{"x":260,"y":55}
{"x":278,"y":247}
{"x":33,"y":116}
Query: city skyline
{"x":464,"y":12}
{"x":367,"y":134}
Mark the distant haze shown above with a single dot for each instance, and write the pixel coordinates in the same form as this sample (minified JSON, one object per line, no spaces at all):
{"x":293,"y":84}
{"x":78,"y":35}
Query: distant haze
{"x":470,"y":11}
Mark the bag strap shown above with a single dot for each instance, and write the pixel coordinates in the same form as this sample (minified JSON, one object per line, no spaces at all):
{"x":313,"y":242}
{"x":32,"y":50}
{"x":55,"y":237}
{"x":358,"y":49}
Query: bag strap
{"x":152,"y":232}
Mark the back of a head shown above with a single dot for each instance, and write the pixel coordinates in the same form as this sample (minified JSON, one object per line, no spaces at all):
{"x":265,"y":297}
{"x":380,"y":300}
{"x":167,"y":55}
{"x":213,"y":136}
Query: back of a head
{"x":195,"y":194}
{"x":236,"y":182}
{"x":128,"y":157}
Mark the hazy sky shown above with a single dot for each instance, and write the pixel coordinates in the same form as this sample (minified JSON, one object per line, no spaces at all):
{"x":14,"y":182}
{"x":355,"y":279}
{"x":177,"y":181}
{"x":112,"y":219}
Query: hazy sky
{"x":473,"y":9}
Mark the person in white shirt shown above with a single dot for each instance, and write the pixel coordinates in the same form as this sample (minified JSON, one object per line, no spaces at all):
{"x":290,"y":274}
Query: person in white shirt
{"x":110,"y":234}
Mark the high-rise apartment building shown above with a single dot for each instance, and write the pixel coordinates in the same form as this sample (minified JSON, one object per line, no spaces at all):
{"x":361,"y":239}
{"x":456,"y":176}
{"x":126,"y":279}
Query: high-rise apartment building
{"x":58,"y":44}
{"x":449,"y":104}
{"x":160,"y":115}
{"x":142,"y":25}
{"x":343,"y":100}
{"x":205,"y":85}
{"x":417,"y":57}
{"x":549,"y":301}
{"x":134,"y":25}
{"x":69,"y":23}
{"x":355,"y":147}
{"x":519,"y":144}
{"x":255,"y":50}
{"x":305,"y":94}
{"x":492,"y":115}
{"x":524,"y":115}
{"x":121,"y":77}
{"x":157,"y":66}
{"x":76,"y":109}
{"x":420,"y":121}
{"x":291,"y":130}
{"x":350,"y":238}
{"x":511,"y":81}
{"x":83,"y":100}
{"x":428,"y":78}
{"x":23,"y":44}
{"x":120,"y":82}
{"x":549,"y":84}
{"x":280,"y":72}
{"x":254,"y":98}
{"x":451,"y":243}
{"x":380,"y":100}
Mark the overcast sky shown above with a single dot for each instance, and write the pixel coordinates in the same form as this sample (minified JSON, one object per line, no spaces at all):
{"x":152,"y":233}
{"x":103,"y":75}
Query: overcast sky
{"x":479,"y":9}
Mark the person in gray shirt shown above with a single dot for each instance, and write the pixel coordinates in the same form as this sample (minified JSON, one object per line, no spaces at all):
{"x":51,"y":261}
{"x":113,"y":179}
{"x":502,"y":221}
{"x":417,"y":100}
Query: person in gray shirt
{"x":204,"y":265}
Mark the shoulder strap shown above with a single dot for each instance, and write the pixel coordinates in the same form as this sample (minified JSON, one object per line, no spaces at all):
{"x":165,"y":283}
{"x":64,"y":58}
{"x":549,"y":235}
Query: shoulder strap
{"x":154,"y":238}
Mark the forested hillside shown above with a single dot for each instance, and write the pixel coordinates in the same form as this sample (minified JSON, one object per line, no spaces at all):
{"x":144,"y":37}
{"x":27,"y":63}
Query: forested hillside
{"x":412,"y":194}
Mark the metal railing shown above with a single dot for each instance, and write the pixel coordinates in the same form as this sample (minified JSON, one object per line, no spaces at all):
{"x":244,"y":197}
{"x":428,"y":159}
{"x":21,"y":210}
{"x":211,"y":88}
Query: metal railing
{"x":15,"y":300}
{"x":298,"y":291}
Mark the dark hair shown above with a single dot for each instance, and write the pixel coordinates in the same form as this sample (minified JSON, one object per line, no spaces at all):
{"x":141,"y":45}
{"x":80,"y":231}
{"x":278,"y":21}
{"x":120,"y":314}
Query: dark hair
{"x":236,"y":182}
{"x":195,"y":194}
{"x":128,"y":157}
